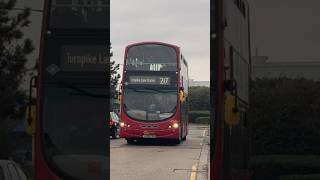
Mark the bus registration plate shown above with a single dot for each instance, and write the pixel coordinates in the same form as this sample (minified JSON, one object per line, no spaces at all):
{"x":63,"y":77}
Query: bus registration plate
{"x":149,"y":136}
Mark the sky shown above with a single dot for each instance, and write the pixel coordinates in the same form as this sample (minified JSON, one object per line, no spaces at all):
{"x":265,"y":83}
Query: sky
{"x":185,"y":23}
{"x":286,"y":30}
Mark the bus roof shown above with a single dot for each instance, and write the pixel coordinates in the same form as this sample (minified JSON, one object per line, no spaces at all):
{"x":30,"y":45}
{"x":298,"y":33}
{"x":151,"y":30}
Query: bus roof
{"x":153,"y":42}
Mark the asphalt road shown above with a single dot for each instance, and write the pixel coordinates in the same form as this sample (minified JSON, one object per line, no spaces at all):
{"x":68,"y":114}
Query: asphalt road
{"x":161,"y":160}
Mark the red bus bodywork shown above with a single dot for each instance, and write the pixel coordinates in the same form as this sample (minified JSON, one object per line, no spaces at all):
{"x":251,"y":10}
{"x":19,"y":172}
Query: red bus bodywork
{"x":226,"y":161}
{"x":133,"y":129}
{"x":42,"y":171}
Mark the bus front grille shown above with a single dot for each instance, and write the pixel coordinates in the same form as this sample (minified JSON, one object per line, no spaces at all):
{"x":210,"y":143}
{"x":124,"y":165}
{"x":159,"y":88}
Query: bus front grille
{"x":149,"y":126}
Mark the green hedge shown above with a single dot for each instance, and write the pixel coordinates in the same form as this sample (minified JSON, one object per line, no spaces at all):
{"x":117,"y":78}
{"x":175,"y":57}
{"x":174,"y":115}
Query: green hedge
{"x":271,"y":167}
{"x":284,"y":116}
{"x":193,"y":115}
{"x":202,"y":120}
{"x":300,"y":177}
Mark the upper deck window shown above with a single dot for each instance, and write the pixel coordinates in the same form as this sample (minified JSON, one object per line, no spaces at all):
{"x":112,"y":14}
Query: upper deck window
{"x":86,"y":14}
{"x":151,"y":57}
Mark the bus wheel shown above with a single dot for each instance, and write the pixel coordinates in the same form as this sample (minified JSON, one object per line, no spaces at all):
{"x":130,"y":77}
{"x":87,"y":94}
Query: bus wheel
{"x":177,"y":141}
{"x":184,"y":138}
{"x":130,"y":141}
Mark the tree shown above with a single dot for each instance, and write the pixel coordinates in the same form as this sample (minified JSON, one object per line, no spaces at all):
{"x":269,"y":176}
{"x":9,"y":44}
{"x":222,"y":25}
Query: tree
{"x":14,"y":49}
{"x":199,"y":98}
{"x":114,"y":77}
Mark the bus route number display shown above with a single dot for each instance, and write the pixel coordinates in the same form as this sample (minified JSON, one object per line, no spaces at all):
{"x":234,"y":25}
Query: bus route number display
{"x":150,"y":80}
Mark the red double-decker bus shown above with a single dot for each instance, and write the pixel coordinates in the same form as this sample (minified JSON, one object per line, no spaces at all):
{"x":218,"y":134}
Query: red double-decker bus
{"x":72,"y":94}
{"x":154,"y":93}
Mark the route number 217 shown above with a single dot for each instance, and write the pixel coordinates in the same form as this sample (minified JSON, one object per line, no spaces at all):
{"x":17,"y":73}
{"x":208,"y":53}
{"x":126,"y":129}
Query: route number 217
{"x":164,"y":80}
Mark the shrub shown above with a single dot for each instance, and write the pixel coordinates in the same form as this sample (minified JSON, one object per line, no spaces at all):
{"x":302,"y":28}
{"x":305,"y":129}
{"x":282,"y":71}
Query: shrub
{"x":284,"y":116}
{"x":193,"y":115}
{"x":203,"y":120}
{"x":300,"y":177}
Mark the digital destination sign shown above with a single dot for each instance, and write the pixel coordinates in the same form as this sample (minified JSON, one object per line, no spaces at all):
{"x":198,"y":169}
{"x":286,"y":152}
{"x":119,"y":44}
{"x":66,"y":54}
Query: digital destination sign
{"x":84,"y":58}
{"x":150,"y":80}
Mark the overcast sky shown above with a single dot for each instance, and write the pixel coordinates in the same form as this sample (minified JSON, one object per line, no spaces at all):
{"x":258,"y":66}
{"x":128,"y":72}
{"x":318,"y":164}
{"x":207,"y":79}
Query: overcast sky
{"x":284,"y":30}
{"x":185,"y":23}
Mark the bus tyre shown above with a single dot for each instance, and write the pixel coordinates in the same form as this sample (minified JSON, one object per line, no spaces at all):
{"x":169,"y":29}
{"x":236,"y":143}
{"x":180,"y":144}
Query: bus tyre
{"x":178,"y":141}
{"x":184,"y":138}
{"x":130,"y":141}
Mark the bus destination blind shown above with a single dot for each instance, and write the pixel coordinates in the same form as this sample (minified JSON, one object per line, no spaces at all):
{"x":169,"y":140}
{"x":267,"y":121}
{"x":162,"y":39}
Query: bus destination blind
{"x":84,"y":58}
{"x":150,"y":80}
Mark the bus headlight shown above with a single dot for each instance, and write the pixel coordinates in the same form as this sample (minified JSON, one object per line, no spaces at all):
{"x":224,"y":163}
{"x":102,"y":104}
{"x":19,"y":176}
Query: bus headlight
{"x":175,"y":125}
{"x":122,"y":124}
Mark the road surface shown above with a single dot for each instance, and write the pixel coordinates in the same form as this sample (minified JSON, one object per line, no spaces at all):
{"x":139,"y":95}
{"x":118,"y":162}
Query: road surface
{"x":162,"y":161}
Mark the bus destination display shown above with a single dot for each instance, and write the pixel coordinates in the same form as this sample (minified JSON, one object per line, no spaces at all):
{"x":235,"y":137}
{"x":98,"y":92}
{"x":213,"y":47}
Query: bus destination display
{"x":150,"y":80}
{"x":84,"y":58}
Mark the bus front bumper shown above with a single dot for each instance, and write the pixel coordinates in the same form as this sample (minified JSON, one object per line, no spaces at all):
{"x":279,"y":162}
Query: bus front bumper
{"x":149,"y":133}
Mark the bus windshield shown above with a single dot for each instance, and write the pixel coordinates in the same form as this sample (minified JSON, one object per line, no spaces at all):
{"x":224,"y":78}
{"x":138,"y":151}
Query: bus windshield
{"x":151,"y":57}
{"x":147,"y":104}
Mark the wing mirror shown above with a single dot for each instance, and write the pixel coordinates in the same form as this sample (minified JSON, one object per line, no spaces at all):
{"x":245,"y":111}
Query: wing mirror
{"x":182,"y":95}
{"x":232,"y":114}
